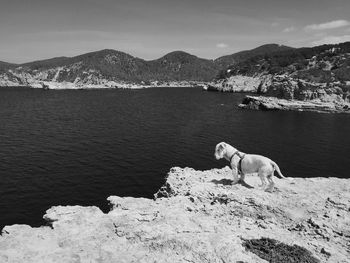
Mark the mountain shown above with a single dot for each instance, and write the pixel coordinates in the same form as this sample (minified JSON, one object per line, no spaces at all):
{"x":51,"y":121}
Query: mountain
{"x":107,"y":63}
{"x":179,"y":65}
{"x":113,"y":67}
{"x":235,"y":58}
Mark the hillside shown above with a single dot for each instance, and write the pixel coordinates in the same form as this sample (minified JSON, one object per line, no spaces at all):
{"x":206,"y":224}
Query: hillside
{"x":326,"y":58}
{"x":180,"y":65}
{"x":241,"y":56}
{"x":317,"y":73}
{"x":5,"y":66}
{"x":111,"y":68}
{"x":46,"y":63}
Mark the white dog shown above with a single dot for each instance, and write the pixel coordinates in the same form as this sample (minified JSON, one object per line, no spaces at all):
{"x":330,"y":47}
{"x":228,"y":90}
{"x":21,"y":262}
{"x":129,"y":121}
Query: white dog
{"x":247,"y":164}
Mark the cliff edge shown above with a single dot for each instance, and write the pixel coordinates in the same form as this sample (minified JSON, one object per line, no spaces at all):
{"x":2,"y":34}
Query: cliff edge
{"x":197,"y":216}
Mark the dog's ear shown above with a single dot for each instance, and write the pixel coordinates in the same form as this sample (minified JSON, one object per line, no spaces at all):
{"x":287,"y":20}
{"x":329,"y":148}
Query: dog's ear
{"x":219,"y":150}
{"x":222,"y":149}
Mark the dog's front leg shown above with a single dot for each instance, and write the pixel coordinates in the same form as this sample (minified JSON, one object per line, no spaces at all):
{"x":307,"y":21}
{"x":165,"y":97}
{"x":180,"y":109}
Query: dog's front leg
{"x":235,"y":175}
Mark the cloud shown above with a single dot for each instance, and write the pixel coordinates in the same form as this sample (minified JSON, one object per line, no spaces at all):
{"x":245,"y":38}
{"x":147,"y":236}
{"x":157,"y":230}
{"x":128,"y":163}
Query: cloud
{"x":221,"y":45}
{"x":328,"y":25}
{"x":289,"y":29}
{"x":332,"y":40}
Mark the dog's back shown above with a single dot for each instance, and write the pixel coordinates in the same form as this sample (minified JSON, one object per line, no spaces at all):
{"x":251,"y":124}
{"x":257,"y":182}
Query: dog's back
{"x":254,"y":162}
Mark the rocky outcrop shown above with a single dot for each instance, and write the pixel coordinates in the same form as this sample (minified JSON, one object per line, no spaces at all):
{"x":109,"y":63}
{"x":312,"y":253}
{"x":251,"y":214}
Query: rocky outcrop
{"x":241,"y":83}
{"x":272,"y":103}
{"x":197,"y":216}
{"x":287,"y":87}
{"x":308,"y":77}
{"x":284,"y":92}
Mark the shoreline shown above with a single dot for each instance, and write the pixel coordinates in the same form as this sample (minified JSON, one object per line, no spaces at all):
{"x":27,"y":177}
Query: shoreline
{"x":272,"y":103}
{"x":102,"y":88}
{"x":72,"y":86}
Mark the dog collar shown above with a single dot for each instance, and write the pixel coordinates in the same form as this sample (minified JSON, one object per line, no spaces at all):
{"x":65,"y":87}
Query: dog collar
{"x":233,"y":155}
{"x":237,"y":152}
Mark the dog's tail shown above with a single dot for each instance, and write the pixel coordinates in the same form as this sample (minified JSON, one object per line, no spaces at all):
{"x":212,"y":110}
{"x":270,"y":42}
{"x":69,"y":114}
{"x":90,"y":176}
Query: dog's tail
{"x":275,"y":166}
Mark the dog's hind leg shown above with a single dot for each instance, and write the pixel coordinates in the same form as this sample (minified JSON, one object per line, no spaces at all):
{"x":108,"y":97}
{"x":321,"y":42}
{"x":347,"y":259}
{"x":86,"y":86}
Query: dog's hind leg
{"x":263,"y":181}
{"x":271,"y":184}
{"x":263,"y":173}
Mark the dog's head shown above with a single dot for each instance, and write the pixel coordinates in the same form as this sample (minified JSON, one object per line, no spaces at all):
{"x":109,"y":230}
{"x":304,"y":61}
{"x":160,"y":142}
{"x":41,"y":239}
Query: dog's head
{"x":220,"y":150}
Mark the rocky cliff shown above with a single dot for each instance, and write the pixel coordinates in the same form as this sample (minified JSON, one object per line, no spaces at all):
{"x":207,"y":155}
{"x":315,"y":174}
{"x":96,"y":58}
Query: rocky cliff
{"x":272,"y":103}
{"x":197,"y":216}
{"x":320,"y":74}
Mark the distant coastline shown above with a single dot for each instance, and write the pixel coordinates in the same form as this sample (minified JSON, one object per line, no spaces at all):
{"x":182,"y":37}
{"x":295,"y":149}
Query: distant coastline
{"x":46,"y":85}
{"x":309,"y":79}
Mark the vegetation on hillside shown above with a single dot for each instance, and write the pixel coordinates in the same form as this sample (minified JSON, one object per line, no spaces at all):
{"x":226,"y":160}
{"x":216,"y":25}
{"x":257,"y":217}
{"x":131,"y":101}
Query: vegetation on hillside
{"x":241,"y":56}
{"x":5,"y":66}
{"x":116,"y":65}
{"x":324,"y":63}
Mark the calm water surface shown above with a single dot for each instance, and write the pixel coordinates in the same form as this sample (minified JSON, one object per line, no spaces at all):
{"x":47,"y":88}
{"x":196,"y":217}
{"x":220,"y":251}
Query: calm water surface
{"x":79,"y":147}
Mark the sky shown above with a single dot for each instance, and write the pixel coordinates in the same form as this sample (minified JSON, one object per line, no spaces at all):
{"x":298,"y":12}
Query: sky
{"x":39,"y":29}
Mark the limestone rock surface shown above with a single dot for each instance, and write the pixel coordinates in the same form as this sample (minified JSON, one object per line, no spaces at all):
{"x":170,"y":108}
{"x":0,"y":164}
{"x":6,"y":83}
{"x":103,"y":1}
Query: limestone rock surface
{"x":273,"y":103}
{"x":197,"y":216}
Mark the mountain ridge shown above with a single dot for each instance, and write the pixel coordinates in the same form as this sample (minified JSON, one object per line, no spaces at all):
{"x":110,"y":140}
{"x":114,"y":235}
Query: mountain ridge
{"x":246,"y":54}
{"x":108,"y":67}
{"x":264,"y":46}
{"x":113,"y":66}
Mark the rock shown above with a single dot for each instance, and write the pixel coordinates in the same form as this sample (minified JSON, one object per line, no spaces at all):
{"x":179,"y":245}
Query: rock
{"x":210,"y":87}
{"x":289,"y":88}
{"x":198,"y":216}
{"x":288,"y":92}
{"x":272,"y":103}
{"x":241,"y":83}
